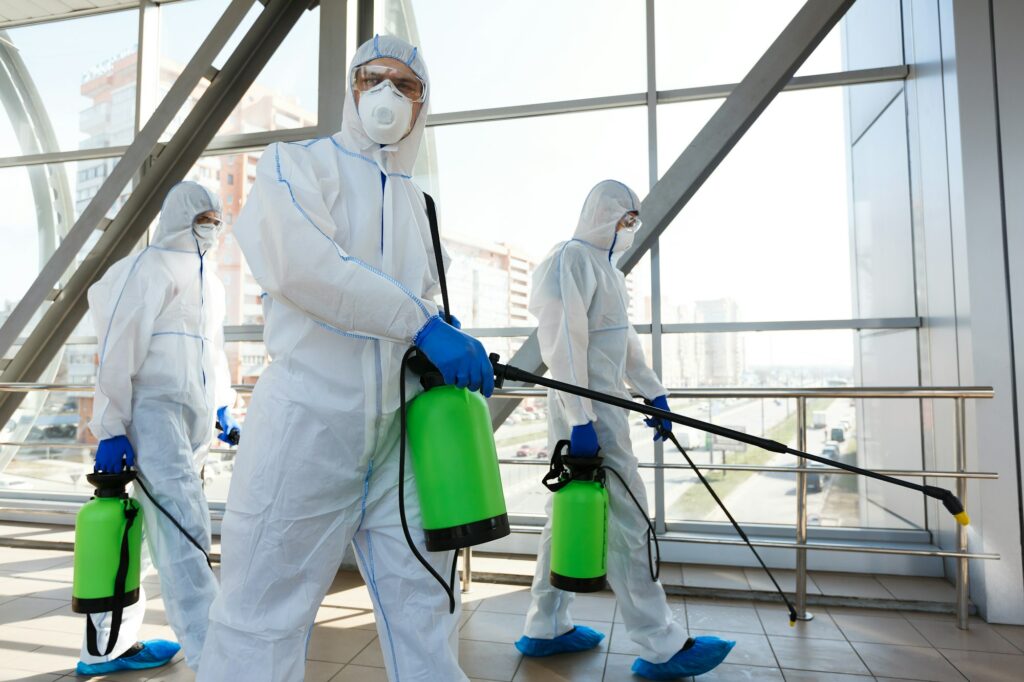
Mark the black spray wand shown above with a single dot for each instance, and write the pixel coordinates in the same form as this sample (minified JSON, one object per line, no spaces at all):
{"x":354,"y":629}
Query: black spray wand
{"x":503,"y":372}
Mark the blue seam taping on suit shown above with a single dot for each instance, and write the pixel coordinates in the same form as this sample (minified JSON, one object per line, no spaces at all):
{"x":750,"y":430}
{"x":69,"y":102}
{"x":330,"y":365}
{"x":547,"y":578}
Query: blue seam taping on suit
{"x":169,"y":250}
{"x":335,"y":330}
{"x":305,"y":143}
{"x":376,"y":593}
{"x":191,"y":336}
{"x":337,"y":249}
{"x":367,"y":159}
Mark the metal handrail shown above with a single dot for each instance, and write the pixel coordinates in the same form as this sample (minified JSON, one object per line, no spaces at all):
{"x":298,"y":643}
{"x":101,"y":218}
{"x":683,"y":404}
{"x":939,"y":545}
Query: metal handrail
{"x":959,"y":394}
{"x":863,"y":392}
{"x":763,"y":468}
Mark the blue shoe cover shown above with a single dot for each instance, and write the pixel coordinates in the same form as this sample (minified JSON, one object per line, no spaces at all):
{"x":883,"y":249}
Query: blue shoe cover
{"x":704,"y":655}
{"x":154,"y":653}
{"x":580,"y":638}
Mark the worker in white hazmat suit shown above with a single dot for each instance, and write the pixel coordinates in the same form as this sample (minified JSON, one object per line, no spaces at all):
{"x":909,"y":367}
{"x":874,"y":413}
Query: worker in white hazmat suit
{"x":162,"y":383}
{"x":336,"y":233}
{"x":581,"y":304}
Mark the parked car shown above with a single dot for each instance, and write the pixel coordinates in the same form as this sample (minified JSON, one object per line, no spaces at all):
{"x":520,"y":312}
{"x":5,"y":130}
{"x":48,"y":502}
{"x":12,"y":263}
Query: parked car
{"x":837,"y":434}
{"x":525,"y":450}
{"x":542,"y":453}
{"x":831,"y":450}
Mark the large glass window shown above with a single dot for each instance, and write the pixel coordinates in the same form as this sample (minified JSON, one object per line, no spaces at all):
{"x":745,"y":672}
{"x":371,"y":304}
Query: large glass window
{"x":513,"y":52}
{"x":71,"y":84}
{"x":767,"y":237}
{"x":781,"y":231}
{"x":285,"y":93}
{"x":714,"y":43}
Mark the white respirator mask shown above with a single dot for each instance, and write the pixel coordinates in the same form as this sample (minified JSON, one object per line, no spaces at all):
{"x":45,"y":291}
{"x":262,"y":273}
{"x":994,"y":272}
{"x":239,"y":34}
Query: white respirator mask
{"x":623,"y":240}
{"x":385,"y":113}
{"x":206,"y":233}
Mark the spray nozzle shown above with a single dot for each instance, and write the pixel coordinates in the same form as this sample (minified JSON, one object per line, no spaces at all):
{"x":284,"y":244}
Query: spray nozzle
{"x":499,"y":370}
{"x":950,"y":501}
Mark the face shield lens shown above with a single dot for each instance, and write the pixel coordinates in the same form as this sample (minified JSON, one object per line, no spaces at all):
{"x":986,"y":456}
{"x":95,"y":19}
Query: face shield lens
{"x":369,"y":76}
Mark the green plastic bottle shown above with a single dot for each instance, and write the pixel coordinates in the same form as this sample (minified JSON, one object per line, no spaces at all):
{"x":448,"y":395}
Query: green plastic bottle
{"x":455,"y":464}
{"x":579,"y":528}
{"x":108,"y":533}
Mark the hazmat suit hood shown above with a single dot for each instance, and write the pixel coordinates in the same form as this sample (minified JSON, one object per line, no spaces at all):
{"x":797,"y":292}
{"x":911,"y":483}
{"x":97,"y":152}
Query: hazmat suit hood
{"x":400,"y":156}
{"x":184,"y":203}
{"x":605,"y":206}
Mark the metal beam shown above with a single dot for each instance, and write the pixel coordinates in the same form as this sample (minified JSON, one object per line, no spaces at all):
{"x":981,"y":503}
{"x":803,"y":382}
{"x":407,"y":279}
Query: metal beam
{"x":364,"y":22}
{"x":137,"y":154}
{"x":712,"y":144}
{"x":240,"y":142}
{"x":823,"y":80}
{"x":176,"y":159}
{"x":331,"y":86}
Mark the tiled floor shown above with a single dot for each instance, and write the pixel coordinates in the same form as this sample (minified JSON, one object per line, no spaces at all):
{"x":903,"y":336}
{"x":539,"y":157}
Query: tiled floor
{"x":39,"y":636}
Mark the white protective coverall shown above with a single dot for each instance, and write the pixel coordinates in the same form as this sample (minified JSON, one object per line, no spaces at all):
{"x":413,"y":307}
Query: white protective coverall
{"x":159,"y":318}
{"x":336,"y":233}
{"x":581,"y":303}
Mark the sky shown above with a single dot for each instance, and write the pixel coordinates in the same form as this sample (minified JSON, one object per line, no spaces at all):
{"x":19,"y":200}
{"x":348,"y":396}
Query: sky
{"x":769,"y":229}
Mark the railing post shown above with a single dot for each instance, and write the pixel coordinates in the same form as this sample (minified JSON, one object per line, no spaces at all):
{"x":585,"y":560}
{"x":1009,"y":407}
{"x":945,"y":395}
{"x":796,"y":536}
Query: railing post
{"x":801,"y":513}
{"x":962,"y":568}
{"x":467,"y":570}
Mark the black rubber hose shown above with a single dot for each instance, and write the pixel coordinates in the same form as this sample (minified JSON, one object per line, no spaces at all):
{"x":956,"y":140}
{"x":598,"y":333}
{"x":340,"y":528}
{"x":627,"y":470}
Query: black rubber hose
{"x":188,"y":536}
{"x":668,"y":435}
{"x":448,"y":589}
{"x":653,"y":564}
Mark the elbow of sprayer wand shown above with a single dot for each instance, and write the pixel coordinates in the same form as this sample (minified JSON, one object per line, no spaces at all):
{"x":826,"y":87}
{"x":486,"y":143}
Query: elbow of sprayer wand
{"x":950,"y":501}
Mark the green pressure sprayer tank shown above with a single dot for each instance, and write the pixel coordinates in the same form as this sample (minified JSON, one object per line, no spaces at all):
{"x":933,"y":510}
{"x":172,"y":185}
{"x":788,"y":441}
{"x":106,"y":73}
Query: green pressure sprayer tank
{"x":579,"y":522}
{"x":456,"y":467}
{"x":108,"y":543}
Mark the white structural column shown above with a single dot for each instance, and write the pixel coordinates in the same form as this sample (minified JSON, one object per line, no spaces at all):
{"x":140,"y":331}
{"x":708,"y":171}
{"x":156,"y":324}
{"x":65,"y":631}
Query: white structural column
{"x":982,"y":54}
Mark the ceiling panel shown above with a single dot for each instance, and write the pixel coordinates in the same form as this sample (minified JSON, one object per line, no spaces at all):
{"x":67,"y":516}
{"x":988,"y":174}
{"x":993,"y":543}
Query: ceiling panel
{"x":24,"y":11}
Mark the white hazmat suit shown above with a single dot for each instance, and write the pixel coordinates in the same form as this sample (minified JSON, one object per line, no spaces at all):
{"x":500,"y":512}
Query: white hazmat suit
{"x":159,"y":318}
{"x":336,"y":233}
{"x":581,"y":303}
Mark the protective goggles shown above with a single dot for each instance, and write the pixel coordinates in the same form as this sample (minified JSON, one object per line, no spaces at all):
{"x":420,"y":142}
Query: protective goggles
{"x":369,"y":76}
{"x":630,"y":222}
{"x":206,"y":220}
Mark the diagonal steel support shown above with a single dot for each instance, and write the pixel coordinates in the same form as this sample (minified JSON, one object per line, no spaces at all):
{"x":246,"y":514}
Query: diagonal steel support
{"x":137,"y":154}
{"x":712,"y":144}
{"x":173,"y":162}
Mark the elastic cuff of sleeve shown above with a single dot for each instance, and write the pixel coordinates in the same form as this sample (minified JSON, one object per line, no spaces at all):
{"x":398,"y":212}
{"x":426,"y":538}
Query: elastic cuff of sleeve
{"x":424,"y":331}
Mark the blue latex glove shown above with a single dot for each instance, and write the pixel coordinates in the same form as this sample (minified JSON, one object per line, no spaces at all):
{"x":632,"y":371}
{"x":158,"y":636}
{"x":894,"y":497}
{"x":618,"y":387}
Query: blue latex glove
{"x":230,"y":431}
{"x":455,"y":320}
{"x":113,"y":455}
{"x":583,"y":441}
{"x":661,"y":402}
{"x":459,"y":357}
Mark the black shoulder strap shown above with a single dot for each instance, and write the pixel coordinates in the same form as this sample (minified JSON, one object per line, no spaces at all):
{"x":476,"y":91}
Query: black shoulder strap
{"x":121,"y":577}
{"x":435,"y":237}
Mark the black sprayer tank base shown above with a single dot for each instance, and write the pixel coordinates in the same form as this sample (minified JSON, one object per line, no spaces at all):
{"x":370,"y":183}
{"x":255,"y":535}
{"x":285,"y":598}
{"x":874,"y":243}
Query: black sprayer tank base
{"x":468,"y":535}
{"x":577,"y":584}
